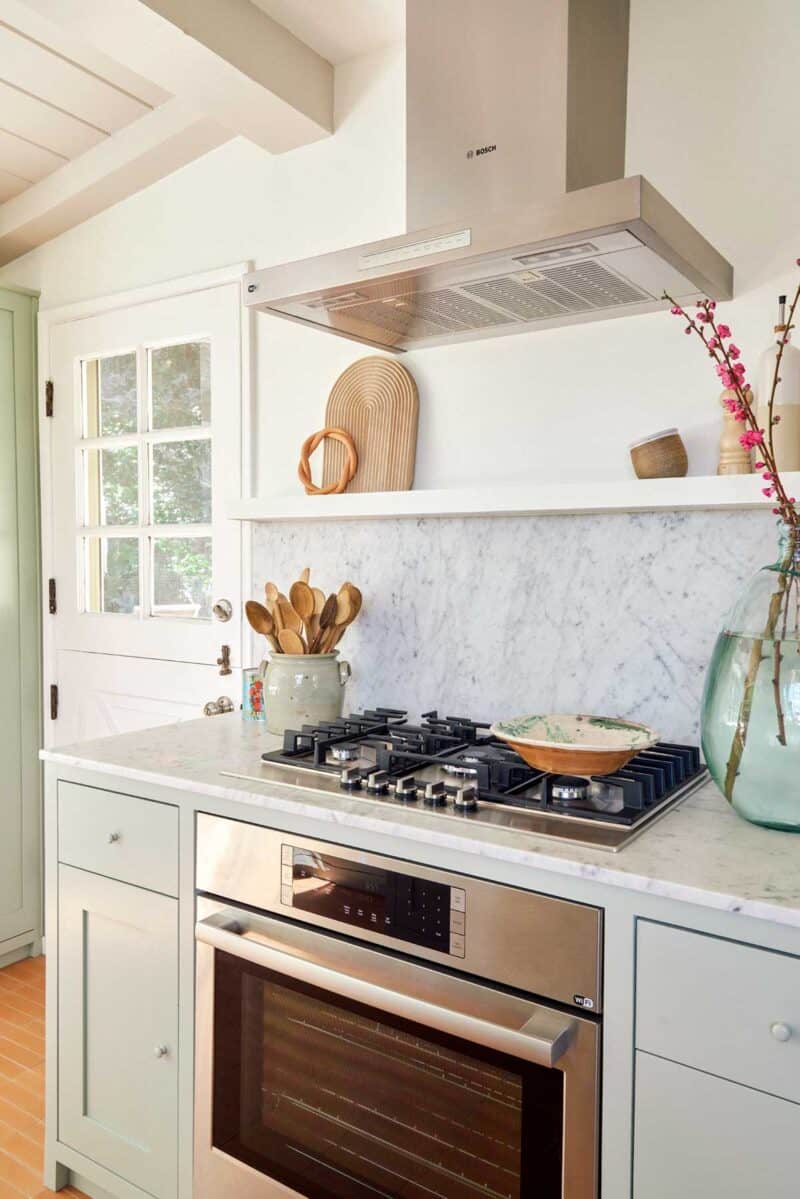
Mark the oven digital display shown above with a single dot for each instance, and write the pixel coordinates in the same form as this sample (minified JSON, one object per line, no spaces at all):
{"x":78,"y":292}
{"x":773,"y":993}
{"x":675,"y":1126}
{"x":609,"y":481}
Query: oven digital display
{"x":397,"y":905}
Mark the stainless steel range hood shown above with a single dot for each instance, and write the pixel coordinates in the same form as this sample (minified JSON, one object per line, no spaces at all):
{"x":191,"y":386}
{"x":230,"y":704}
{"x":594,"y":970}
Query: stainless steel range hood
{"x":519,"y":217}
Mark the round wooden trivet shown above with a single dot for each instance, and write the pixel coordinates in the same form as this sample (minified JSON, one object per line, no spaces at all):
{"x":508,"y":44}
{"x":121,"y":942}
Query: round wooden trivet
{"x":348,"y":470}
{"x":375,"y":399}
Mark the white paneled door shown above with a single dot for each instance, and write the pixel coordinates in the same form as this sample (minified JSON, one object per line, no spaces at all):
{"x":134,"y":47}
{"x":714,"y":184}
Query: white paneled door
{"x":143,"y":459}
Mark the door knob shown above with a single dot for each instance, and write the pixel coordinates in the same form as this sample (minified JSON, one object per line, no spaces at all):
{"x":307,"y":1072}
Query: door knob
{"x":112,"y":837}
{"x":161,"y":1051}
{"x":223,"y":610}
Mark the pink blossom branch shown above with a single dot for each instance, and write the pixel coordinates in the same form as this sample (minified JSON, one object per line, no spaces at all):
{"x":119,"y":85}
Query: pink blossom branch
{"x":733,"y":375}
{"x":782,"y":341}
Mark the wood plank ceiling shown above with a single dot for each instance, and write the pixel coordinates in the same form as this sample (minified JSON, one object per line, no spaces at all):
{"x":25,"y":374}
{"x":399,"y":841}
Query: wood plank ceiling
{"x":57,"y":98}
{"x":101,"y":98}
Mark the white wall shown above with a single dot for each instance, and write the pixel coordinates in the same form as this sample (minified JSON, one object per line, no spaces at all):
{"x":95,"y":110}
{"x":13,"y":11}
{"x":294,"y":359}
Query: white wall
{"x":707,"y":85}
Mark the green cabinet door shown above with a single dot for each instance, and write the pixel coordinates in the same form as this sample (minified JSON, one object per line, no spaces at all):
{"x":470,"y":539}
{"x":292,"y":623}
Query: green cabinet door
{"x":20,"y":676}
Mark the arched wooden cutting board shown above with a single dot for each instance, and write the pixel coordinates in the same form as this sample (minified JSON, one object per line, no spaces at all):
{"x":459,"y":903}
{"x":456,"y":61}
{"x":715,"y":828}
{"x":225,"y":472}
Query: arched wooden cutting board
{"x":376,"y":401}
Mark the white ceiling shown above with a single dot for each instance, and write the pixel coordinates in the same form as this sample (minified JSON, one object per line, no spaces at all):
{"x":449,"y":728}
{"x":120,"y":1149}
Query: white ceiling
{"x":73,"y":87}
{"x":58,"y":98}
{"x":340,"y":29}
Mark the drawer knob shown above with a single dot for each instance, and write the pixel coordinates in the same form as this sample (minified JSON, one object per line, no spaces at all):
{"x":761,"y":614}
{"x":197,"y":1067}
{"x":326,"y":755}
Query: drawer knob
{"x":781,"y":1031}
{"x":161,"y":1051}
{"x":113,"y":838}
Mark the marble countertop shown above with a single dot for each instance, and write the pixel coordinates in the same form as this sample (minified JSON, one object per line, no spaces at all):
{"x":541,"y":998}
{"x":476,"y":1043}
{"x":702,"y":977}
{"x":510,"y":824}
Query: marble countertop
{"x":699,"y":852}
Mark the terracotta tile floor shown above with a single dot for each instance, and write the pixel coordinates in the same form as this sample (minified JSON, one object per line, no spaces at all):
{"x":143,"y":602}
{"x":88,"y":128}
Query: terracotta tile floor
{"x":22,"y":1082}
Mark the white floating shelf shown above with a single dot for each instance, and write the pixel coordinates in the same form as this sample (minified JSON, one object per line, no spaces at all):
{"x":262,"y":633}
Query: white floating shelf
{"x":519,"y":499}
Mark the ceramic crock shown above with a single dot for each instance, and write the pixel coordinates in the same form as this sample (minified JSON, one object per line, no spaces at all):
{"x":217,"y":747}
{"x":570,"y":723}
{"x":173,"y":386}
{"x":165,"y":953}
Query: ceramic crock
{"x":303,"y":689}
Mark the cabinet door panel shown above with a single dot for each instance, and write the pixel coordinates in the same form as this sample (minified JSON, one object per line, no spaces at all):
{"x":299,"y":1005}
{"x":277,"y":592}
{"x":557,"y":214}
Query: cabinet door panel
{"x":699,"y":1137}
{"x":118,"y":1004}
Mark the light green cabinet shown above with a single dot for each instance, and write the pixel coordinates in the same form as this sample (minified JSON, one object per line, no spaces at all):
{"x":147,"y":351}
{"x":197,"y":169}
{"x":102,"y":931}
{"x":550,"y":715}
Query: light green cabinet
{"x":701,"y":1137}
{"x":118,"y":1028}
{"x":717,"y":1085}
{"x":20,"y":720}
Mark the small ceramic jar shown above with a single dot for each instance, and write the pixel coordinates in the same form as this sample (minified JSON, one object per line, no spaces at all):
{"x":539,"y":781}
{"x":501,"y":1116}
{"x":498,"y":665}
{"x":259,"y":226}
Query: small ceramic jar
{"x":303,"y":689}
{"x":660,"y":456}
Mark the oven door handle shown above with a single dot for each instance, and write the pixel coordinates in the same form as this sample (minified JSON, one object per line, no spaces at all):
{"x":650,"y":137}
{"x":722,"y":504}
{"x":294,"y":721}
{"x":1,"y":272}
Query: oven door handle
{"x":492,"y":1018}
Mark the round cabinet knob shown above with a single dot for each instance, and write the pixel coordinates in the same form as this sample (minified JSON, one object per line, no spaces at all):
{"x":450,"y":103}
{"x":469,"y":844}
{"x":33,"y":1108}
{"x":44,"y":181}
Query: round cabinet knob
{"x":113,"y":838}
{"x":781,"y":1031}
{"x":161,"y":1051}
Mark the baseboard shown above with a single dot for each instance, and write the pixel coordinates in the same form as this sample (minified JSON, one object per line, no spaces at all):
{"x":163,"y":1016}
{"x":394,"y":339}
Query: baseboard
{"x":29,"y":949}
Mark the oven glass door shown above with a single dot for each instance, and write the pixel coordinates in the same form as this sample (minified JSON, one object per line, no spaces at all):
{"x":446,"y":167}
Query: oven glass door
{"x":337,"y":1100}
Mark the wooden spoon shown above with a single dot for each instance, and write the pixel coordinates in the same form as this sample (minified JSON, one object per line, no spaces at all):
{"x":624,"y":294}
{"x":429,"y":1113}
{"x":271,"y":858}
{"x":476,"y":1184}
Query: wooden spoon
{"x":356,"y":598}
{"x":327,"y":618}
{"x":305,"y":574}
{"x":289,"y":618}
{"x":345,"y":608}
{"x":271,"y":595}
{"x":348,"y":605}
{"x":291,"y":642}
{"x":259,"y":618}
{"x":319,"y":600}
{"x":301,"y":597}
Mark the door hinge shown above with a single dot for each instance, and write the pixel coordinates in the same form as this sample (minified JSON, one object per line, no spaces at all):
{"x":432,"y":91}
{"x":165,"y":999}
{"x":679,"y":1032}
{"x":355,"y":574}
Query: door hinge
{"x":48,"y":398}
{"x":51,"y":591}
{"x":54,"y":701}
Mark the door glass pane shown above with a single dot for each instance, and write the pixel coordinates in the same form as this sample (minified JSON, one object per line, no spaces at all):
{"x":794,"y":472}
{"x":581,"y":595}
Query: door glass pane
{"x":111,"y":574}
{"x":181,"y":385}
{"x":182,"y":577}
{"x":111,"y":479}
{"x":109,"y":396}
{"x":340,"y":1101}
{"x":182,"y":482}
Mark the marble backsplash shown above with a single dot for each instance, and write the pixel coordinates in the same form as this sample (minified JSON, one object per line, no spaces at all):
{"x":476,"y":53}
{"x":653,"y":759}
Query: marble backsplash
{"x":496,"y":616}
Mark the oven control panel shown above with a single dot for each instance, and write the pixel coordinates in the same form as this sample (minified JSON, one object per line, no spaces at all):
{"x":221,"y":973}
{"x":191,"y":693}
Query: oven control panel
{"x":398,"y":905}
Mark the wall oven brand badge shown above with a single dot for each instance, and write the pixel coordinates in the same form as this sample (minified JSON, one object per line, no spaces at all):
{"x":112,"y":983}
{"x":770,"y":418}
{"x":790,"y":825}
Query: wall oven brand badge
{"x":480,"y":150}
{"x":583,"y":1001}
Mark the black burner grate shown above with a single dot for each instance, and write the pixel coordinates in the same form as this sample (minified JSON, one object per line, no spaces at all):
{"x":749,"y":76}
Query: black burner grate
{"x":464,"y":748}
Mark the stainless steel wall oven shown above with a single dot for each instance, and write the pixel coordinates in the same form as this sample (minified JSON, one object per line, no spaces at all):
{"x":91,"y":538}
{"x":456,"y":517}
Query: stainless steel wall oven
{"x":374,"y":1029}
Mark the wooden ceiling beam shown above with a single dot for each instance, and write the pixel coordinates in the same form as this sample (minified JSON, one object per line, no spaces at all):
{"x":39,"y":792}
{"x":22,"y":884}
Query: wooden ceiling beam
{"x":225,"y":58}
{"x":166,"y":139}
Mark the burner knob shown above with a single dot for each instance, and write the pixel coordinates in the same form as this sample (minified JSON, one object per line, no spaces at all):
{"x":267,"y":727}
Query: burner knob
{"x":435,"y":795}
{"x":466,"y":799}
{"x":378,"y":782}
{"x":406,"y":789}
{"x":350,"y":778}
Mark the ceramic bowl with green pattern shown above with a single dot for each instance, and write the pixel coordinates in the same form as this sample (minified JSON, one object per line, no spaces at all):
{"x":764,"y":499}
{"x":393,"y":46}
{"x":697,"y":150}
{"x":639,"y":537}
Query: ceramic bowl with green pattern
{"x":579,"y":745}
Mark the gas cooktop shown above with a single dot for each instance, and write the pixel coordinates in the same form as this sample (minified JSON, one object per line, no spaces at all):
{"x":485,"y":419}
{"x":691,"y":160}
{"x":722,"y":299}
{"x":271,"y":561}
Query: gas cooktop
{"x":452,"y":767}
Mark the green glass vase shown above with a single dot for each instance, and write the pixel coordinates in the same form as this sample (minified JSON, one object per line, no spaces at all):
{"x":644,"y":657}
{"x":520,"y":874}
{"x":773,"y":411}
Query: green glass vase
{"x":751,"y":703}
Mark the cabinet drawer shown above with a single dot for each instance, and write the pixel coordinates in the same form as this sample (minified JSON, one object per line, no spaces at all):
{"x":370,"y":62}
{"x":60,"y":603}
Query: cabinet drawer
{"x":699,"y":1137}
{"x":732,"y":1010}
{"x":133,"y":840}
